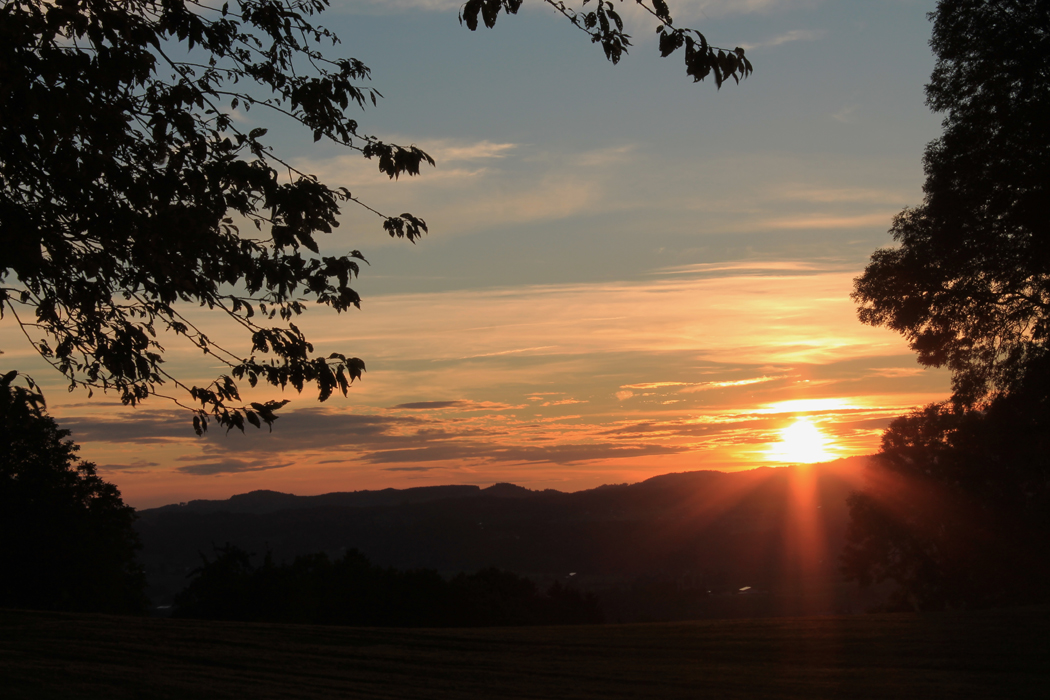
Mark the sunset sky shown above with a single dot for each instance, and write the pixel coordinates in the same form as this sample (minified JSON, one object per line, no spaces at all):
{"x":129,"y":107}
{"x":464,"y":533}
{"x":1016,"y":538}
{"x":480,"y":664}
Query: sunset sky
{"x":627,"y":274}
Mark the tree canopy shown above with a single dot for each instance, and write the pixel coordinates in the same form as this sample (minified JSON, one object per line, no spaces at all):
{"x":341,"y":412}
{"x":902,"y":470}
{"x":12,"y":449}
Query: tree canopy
{"x":67,"y":539}
{"x":969,"y":283}
{"x":130,"y":196}
{"x":958,"y":511}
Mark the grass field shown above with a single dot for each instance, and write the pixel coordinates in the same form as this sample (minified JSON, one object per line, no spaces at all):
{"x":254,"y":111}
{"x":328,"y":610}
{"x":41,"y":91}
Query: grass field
{"x":995,"y":654}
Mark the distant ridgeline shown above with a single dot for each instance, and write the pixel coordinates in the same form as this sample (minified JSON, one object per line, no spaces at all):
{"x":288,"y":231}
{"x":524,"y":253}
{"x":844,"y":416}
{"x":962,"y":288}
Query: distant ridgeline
{"x":695,"y":544}
{"x":260,"y":502}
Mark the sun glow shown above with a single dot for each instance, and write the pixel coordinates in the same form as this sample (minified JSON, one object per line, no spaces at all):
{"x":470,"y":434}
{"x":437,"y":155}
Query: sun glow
{"x":801,"y":443}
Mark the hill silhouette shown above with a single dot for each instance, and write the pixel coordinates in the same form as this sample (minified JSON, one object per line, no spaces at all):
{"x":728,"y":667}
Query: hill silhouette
{"x":264,"y":501}
{"x":664,"y":548}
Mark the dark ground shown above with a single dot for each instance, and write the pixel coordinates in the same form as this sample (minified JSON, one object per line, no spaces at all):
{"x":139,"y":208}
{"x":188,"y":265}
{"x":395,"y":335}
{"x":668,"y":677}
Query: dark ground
{"x":993,"y":654}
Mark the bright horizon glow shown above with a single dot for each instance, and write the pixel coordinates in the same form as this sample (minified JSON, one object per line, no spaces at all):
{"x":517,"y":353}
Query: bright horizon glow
{"x":801,"y":443}
{"x":564,"y":387}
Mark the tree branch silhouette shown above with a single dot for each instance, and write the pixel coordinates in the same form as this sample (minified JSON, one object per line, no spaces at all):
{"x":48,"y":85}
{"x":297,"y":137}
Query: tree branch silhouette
{"x":125,"y":180}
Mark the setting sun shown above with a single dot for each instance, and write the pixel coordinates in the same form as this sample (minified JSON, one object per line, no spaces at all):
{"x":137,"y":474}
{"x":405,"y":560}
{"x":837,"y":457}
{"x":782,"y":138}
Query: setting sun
{"x":801,"y":442}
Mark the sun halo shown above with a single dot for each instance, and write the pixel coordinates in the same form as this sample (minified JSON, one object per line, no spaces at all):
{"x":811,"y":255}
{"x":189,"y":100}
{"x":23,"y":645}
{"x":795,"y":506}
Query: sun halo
{"x":801,"y":443}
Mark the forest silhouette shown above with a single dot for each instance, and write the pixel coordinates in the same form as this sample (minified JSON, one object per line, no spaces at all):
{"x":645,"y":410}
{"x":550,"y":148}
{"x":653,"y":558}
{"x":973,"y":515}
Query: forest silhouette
{"x":314,"y":589}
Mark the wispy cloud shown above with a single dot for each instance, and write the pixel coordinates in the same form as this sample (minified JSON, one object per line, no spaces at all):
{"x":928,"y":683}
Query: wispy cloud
{"x":845,"y":115}
{"x":515,"y":351}
{"x":142,"y":426}
{"x":832,"y":194}
{"x":485,"y":184}
{"x":693,"y":387}
{"x":603,"y":157}
{"x":225,"y":466}
{"x":706,"y":386}
{"x":817,"y":221}
{"x":305,"y":428}
{"x":653,"y":385}
{"x":898,"y":372}
{"x":755,"y":268}
{"x":450,"y":155}
{"x":556,"y":454}
{"x":430,"y":404}
{"x":787,"y":37}
{"x":805,"y":312}
{"x":458,"y":405}
{"x":562,"y":402}
{"x":138,"y":466}
{"x":457,"y":151}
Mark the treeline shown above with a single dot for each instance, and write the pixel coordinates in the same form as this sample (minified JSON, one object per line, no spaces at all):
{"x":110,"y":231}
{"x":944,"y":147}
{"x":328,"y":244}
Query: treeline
{"x":315,"y":589}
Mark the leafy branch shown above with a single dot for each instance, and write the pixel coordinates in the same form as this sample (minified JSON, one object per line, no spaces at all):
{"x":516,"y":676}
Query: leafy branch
{"x":123,"y":177}
{"x":605,"y":26}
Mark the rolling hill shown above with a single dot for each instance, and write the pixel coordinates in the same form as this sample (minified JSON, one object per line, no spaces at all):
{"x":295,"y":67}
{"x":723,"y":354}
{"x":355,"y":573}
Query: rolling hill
{"x":677,"y":546}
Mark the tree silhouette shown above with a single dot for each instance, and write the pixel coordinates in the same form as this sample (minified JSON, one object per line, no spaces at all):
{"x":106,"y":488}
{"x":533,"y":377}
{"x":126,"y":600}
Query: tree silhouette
{"x":958,"y":512}
{"x":67,"y":537}
{"x":126,"y":183}
{"x":969,"y":283}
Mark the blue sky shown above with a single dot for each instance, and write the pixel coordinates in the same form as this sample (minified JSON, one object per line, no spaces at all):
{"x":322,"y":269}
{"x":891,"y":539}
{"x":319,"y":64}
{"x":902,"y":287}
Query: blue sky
{"x":627,"y":274}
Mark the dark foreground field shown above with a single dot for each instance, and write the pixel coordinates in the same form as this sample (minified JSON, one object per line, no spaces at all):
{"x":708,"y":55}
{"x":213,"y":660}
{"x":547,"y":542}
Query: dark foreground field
{"x":975,"y":655}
